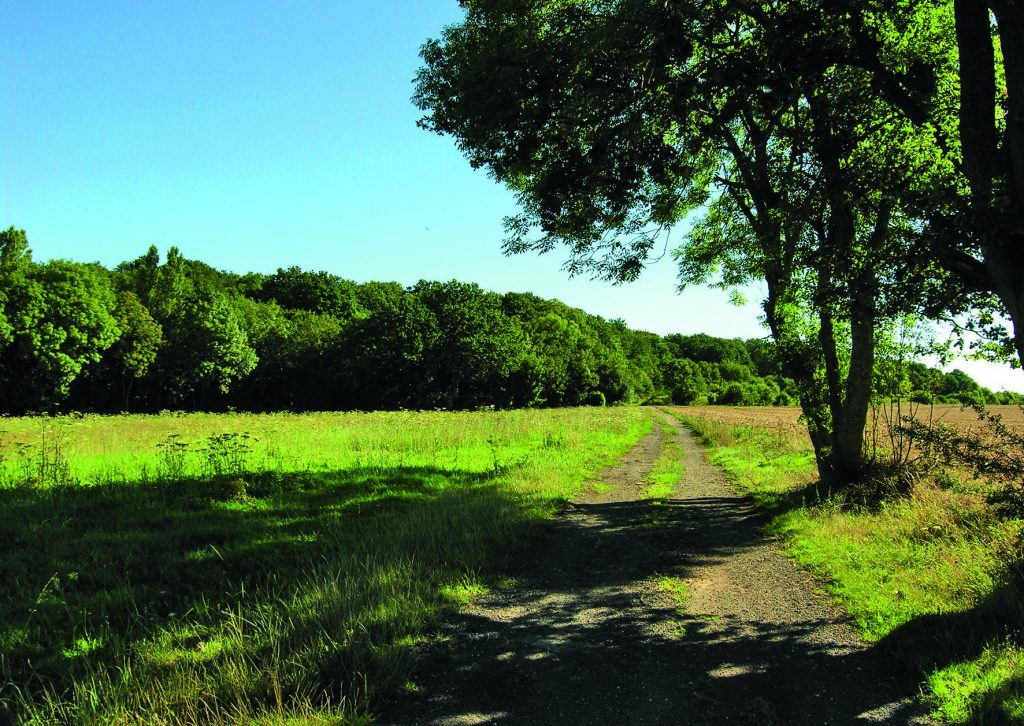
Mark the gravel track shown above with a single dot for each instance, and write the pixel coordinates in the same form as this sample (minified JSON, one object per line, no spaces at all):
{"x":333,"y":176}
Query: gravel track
{"x":586,"y":636}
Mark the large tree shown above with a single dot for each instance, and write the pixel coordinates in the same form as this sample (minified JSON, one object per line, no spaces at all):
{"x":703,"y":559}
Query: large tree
{"x":614,"y":120}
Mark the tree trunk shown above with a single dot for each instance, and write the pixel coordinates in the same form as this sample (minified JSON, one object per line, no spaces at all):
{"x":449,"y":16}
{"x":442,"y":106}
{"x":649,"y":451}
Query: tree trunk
{"x":997,"y":206}
{"x":798,"y":364}
{"x":1010,"y":20}
{"x":846,"y":461}
{"x":1004,"y":262}
{"x":1004,"y":255}
{"x":978,"y":142}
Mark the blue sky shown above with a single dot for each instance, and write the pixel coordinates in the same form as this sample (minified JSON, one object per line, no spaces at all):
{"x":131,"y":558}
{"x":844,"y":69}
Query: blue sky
{"x":260,"y":135}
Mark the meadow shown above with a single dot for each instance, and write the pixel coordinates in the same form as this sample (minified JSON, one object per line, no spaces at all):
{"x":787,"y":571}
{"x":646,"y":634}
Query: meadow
{"x":261,"y":568}
{"x":932,"y":572}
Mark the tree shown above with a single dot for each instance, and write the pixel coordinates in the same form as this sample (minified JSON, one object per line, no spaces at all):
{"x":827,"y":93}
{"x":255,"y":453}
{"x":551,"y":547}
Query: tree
{"x":390,"y":348}
{"x":58,"y":320}
{"x":686,"y":382}
{"x":922,"y":55}
{"x":318,"y":292}
{"x":206,"y":348}
{"x":136,"y":350}
{"x":612,"y":121}
{"x":303,"y":361}
{"x":478,"y":349}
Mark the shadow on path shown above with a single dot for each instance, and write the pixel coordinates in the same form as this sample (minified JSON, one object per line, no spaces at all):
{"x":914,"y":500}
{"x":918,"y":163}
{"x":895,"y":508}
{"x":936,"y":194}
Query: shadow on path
{"x":586,"y":635}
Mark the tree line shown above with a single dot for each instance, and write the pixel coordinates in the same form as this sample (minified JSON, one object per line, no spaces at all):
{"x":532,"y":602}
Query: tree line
{"x":156,"y":334}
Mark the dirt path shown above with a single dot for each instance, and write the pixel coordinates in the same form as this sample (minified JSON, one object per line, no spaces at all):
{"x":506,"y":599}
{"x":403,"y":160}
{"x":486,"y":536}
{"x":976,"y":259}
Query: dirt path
{"x":586,"y":636}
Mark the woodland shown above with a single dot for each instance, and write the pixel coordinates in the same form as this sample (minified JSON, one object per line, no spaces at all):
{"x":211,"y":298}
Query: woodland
{"x":861,"y":160}
{"x":176,"y":334}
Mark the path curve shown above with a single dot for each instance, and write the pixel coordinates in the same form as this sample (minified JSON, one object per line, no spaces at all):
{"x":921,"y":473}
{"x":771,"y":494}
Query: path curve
{"x":586,"y":635}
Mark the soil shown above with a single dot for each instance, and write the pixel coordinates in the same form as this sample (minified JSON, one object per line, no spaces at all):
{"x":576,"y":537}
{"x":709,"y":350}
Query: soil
{"x":585,"y":634}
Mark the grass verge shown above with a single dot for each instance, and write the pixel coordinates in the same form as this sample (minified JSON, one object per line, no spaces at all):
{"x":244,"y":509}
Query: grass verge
{"x":936,"y":576}
{"x":261,"y":569}
{"x":666,"y":473}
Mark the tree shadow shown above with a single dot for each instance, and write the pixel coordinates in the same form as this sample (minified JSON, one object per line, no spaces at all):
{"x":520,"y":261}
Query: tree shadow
{"x":134,"y":559}
{"x":585,"y":637}
{"x":938,"y":640}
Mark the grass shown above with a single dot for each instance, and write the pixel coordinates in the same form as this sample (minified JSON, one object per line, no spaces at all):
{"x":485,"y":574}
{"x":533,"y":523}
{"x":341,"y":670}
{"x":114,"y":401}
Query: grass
{"x":934,"y":576}
{"x":666,"y":473}
{"x":261,"y":569}
{"x":668,"y":469}
{"x":767,"y":463}
{"x":679,"y":591}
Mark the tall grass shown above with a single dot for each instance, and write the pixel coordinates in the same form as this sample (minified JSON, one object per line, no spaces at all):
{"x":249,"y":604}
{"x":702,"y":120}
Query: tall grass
{"x":261,"y":569}
{"x":766,"y":463}
{"x":935,"y":576}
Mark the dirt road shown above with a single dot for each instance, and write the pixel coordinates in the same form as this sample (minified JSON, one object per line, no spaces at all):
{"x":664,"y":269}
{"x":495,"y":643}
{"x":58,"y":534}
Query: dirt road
{"x":585,"y":634}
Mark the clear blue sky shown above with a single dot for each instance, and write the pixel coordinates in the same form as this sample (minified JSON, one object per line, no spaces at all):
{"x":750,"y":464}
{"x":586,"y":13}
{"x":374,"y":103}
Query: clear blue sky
{"x":260,"y":135}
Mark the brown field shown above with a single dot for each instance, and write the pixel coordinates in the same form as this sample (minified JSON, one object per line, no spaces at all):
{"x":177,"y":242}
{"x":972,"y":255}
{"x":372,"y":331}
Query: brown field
{"x":784,"y":420}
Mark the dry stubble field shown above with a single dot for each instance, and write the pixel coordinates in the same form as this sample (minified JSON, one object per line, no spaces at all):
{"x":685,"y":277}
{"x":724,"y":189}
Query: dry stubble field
{"x":785,"y":420}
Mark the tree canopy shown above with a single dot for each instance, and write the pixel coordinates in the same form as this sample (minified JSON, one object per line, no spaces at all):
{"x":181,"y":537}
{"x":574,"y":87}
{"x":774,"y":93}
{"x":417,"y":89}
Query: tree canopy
{"x":814,"y":141}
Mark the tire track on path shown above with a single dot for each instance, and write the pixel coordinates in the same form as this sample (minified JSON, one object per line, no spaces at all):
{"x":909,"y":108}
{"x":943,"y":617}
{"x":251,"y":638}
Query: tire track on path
{"x":586,"y":636}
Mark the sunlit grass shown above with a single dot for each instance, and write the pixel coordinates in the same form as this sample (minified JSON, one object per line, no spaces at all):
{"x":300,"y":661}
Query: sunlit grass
{"x":933,"y":576}
{"x":668,"y":469}
{"x":261,"y":569}
{"x":766,"y":463}
{"x":988,"y":684}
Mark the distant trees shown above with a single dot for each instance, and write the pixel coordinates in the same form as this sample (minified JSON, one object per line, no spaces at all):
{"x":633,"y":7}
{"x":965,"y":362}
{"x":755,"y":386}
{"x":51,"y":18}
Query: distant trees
{"x":57,"y":320}
{"x":176,"y":333}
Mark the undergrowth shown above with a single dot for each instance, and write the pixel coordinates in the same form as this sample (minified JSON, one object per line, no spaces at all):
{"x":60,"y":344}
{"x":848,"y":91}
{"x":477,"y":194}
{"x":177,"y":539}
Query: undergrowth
{"x":935,"y":576}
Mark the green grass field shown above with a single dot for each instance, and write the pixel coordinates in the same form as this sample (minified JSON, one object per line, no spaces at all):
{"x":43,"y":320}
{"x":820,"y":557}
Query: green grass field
{"x":261,"y":569}
{"x":935,"y":576}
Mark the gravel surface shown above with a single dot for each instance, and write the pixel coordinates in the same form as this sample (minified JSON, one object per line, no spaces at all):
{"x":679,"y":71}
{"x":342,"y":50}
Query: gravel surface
{"x":585,"y":635}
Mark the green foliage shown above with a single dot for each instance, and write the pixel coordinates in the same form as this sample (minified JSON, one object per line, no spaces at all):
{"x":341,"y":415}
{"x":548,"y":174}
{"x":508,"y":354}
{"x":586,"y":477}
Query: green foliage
{"x":179,"y":334}
{"x":793,"y":157}
{"x":57,"y":321}
{"x":315,"y":292}
{"x":141,"y":336}
{"x":182,"y":335}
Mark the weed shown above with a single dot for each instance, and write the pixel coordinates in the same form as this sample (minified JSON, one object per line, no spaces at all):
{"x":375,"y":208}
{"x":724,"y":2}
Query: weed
{"x":494,"y":445}
{"x":172,"y":458}
{"x":677,"y":589}
{"x":227,"y":455}
{"x":995,"y":452}
{"x":677,"y":629}
{"x":82,"y":647}
{"x":44,"y":463}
